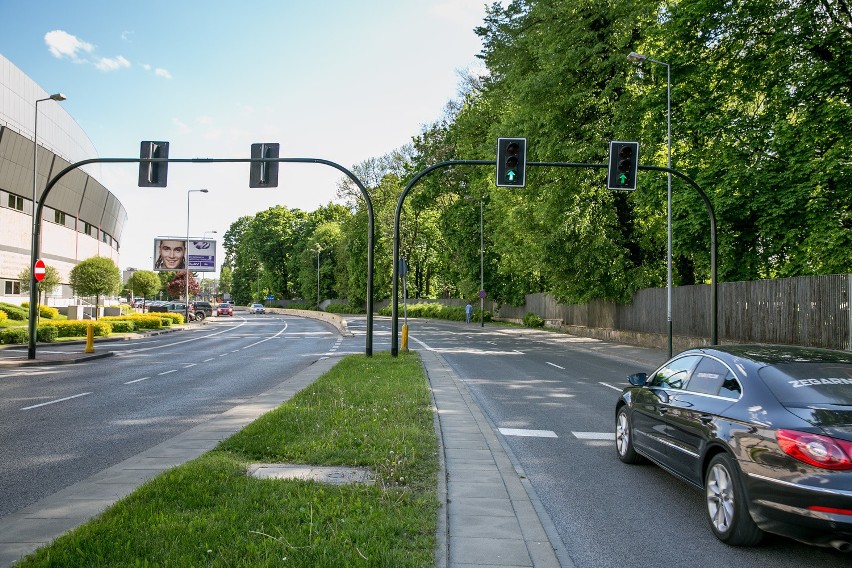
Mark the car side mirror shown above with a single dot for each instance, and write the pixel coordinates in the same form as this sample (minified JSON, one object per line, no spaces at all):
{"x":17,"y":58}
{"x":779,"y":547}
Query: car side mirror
{"x":638,"y":379}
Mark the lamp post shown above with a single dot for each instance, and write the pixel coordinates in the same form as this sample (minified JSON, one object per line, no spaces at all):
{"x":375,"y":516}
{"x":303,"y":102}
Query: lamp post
{"x":203,"y":291}
{"x":31,"y":324}
{"x":186,"y":246}
{"x":481,"y":263}
{"x":639,"y":58}
{"x":319,"y":249}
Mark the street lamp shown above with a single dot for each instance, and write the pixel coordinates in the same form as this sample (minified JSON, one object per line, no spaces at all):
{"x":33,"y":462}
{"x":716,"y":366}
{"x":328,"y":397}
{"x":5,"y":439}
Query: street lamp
{"x":639,"y":58}
{"x":31,"y":324}
{"x":203,"y":291}
{"x":481,"y":263}
{"x":319,"y":249}
{"x":186,"y":247}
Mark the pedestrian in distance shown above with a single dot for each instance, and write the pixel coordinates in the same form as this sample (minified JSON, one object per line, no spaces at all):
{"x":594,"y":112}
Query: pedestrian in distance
{"x":468,"y":312}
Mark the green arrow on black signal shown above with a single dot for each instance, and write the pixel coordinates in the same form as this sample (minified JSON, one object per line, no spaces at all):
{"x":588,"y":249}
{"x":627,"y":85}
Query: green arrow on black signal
{"x":511,"y":175}
{"x":622,"y":179}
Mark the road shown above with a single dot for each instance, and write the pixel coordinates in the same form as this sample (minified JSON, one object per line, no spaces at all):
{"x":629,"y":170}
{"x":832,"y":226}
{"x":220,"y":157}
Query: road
{"x":60,"y":424}
{"x":552,"y":396}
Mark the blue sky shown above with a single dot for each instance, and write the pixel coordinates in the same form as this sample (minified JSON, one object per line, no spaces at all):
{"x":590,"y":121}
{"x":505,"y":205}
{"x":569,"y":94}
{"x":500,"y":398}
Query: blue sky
{"x":339,"y":80}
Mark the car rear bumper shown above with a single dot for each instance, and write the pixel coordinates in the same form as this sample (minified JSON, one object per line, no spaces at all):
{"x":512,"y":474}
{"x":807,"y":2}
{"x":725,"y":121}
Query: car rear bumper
{"x":807,"y":513}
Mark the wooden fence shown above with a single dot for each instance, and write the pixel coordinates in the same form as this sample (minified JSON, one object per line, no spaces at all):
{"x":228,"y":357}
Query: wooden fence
{"x":809,"y":310}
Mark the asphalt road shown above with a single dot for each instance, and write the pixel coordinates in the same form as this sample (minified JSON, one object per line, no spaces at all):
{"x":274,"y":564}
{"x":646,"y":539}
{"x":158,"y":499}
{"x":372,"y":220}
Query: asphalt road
{"x":553,"y":397}
{"x":60,"y":424}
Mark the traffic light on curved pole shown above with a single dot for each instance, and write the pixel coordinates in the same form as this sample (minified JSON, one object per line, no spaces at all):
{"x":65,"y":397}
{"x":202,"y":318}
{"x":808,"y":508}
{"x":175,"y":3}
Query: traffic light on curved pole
{"x":623,"y":165}
{"x":511,"y":162}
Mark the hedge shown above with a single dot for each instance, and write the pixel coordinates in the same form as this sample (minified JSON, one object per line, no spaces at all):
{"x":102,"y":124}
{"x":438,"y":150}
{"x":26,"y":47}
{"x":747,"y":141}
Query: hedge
{"x":77,"y":328}
{"x":15,"y":312}
{"x":3,"y":316}
{"x":142,"y":321}
{"x":18,"y":335}
{"x":47,"y":312}
{"x":436,"y":311}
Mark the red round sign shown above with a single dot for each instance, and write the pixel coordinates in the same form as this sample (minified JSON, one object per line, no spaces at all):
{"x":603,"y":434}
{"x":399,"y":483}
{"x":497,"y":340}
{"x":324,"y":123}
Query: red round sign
{"x":38,"y":270}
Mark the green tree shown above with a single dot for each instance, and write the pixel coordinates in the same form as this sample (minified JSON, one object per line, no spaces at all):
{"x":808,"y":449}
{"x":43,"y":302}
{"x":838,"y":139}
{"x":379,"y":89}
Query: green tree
{"x":50,"y":281}
{"x":144,"y":283}
{"x":96,"y":276}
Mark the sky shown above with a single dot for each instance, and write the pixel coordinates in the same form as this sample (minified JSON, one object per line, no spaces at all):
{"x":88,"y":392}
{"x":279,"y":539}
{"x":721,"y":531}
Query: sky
{"x":332,"y":79}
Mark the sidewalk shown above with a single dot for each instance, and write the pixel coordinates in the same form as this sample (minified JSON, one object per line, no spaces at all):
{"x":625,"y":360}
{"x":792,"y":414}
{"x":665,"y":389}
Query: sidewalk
{"x":489,"y":516}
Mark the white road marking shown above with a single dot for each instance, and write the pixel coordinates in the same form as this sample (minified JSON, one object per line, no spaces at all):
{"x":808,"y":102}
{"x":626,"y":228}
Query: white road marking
{"x":594,"y":435}
{"x":55,"y":401}
{"x":137,"y":380}
{"x":554,"y":365}
{"x":167,"y":372}
{"x":613,"y":387}
{"x":528,"y":433}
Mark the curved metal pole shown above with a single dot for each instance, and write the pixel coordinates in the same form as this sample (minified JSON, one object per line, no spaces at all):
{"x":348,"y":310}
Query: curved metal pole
{"x":714,"y":335}
{"x":34,"y":250}
{"x":399,"y":203}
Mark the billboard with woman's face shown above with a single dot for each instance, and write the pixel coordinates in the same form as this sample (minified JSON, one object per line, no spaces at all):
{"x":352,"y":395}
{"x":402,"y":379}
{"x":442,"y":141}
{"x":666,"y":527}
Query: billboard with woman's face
{"x":173,"y":253}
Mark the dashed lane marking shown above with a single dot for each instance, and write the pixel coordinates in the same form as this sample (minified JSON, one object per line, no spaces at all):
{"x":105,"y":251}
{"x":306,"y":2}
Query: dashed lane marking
{"x":528,"y":433}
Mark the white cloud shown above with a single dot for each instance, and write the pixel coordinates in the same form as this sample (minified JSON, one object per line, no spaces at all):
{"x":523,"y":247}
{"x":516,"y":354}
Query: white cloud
{"x":126,"y":35}
{"x":159,"y":72}
{"x":62,"y":44}
{"x":112,"y":64}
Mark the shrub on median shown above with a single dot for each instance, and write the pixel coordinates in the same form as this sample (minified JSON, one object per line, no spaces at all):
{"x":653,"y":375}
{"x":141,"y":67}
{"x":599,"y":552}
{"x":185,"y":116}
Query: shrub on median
{"x":77,"y":328}
{"x":14,"y":335}
{"x":15,"y":312}
{"x":142,"y":321}
{"x":436,"y":311}
{"x":46,"y":312}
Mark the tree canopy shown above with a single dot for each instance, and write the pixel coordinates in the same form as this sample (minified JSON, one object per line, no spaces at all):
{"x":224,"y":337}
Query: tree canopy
{"x":760,"y":108}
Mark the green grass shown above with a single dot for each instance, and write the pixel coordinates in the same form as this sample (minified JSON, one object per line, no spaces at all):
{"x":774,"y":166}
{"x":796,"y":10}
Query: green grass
{"x":369,"y":412}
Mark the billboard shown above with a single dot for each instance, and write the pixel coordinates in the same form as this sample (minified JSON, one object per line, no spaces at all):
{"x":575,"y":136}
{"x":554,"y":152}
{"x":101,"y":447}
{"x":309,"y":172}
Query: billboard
{"x":171,"y":253}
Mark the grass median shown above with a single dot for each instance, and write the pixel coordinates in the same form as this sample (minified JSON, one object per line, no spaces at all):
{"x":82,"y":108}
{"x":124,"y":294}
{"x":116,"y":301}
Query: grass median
{"x":368,"y":412}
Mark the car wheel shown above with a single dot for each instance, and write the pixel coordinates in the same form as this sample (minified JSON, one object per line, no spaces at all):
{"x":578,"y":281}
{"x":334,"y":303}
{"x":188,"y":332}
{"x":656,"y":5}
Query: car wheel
{"x":199,"y":316}
{"x":726,"y":504}
{"x":624,"y":438}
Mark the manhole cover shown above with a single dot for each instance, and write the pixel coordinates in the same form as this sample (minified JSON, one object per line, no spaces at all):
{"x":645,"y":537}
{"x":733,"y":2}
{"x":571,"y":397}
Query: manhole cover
{"x":333,"y":475}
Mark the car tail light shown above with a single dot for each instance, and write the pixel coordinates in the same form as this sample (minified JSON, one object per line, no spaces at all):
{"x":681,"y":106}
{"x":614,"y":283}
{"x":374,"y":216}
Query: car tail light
{"x":832,"y":510}
{"x":816,"y":450}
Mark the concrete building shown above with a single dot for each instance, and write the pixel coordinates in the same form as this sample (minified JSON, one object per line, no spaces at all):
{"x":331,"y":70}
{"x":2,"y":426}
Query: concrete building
{"x":81,"y":218}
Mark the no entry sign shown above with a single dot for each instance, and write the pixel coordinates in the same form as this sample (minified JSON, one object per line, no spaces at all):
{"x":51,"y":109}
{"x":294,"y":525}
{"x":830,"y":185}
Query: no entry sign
{"x":38,"y":270}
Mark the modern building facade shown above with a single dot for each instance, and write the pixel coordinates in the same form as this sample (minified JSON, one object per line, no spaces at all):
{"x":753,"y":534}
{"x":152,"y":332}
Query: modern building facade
{"x":81,"y":217}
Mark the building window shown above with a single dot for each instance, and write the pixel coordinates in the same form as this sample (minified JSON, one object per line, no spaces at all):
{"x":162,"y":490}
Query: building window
{"x":105,"y":237}
{"x":16,"y":202}
{"x":12,"y":287}
{"x":91,"y":230}
{"x":59,"y":217}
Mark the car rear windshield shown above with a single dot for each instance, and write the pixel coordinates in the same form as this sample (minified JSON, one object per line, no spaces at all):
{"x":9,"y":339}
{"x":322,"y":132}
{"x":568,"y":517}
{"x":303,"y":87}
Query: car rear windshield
{"x":810,"y":382}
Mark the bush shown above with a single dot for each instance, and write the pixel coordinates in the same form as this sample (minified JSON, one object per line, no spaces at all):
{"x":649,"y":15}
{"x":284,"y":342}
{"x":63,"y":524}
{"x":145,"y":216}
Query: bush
{"x":77,"y":328}
{"x":141,"y":321}
{"x":46,"y":312}
{"x":122,"y":326}
{"x":301,"y":306}
{"x":533,"y":320}
{"x":14,"y":335}
{"x":344,"y":309}
{"x":46,"y":333}
{"x":436,"y":311}
{"x":3,"y":316}
{"x":173,"y":318}
{"x":15,"y":312}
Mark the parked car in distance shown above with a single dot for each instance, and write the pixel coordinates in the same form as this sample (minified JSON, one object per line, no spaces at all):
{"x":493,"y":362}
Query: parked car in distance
{"x":202,"y":310}
{"x":224,"y":310}
{"x":257,"y":309}
{"x":765,"y":431}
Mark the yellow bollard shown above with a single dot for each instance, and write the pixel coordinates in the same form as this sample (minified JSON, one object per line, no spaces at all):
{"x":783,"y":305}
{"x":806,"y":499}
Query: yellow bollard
{"x":90,"y":338}
{"x":405,"y":337}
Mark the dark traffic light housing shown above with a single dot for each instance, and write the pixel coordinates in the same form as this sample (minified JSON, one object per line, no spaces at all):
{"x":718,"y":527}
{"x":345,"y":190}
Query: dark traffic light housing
{"x":511,"y":162}
{"x":264,"y":174}
{"x":153,"y":174}
{"x":623,"y":165}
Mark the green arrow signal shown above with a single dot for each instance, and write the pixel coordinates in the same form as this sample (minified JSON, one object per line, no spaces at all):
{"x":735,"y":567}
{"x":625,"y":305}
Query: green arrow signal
{"x":511,"y":175}
{"x":622,"y":179}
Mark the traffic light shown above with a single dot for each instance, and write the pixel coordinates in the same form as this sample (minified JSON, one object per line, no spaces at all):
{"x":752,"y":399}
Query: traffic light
{"x":264,"y":174}
{"x":623,"y":165}
{"x":153,"y":174}
{"x":511,"y":162}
